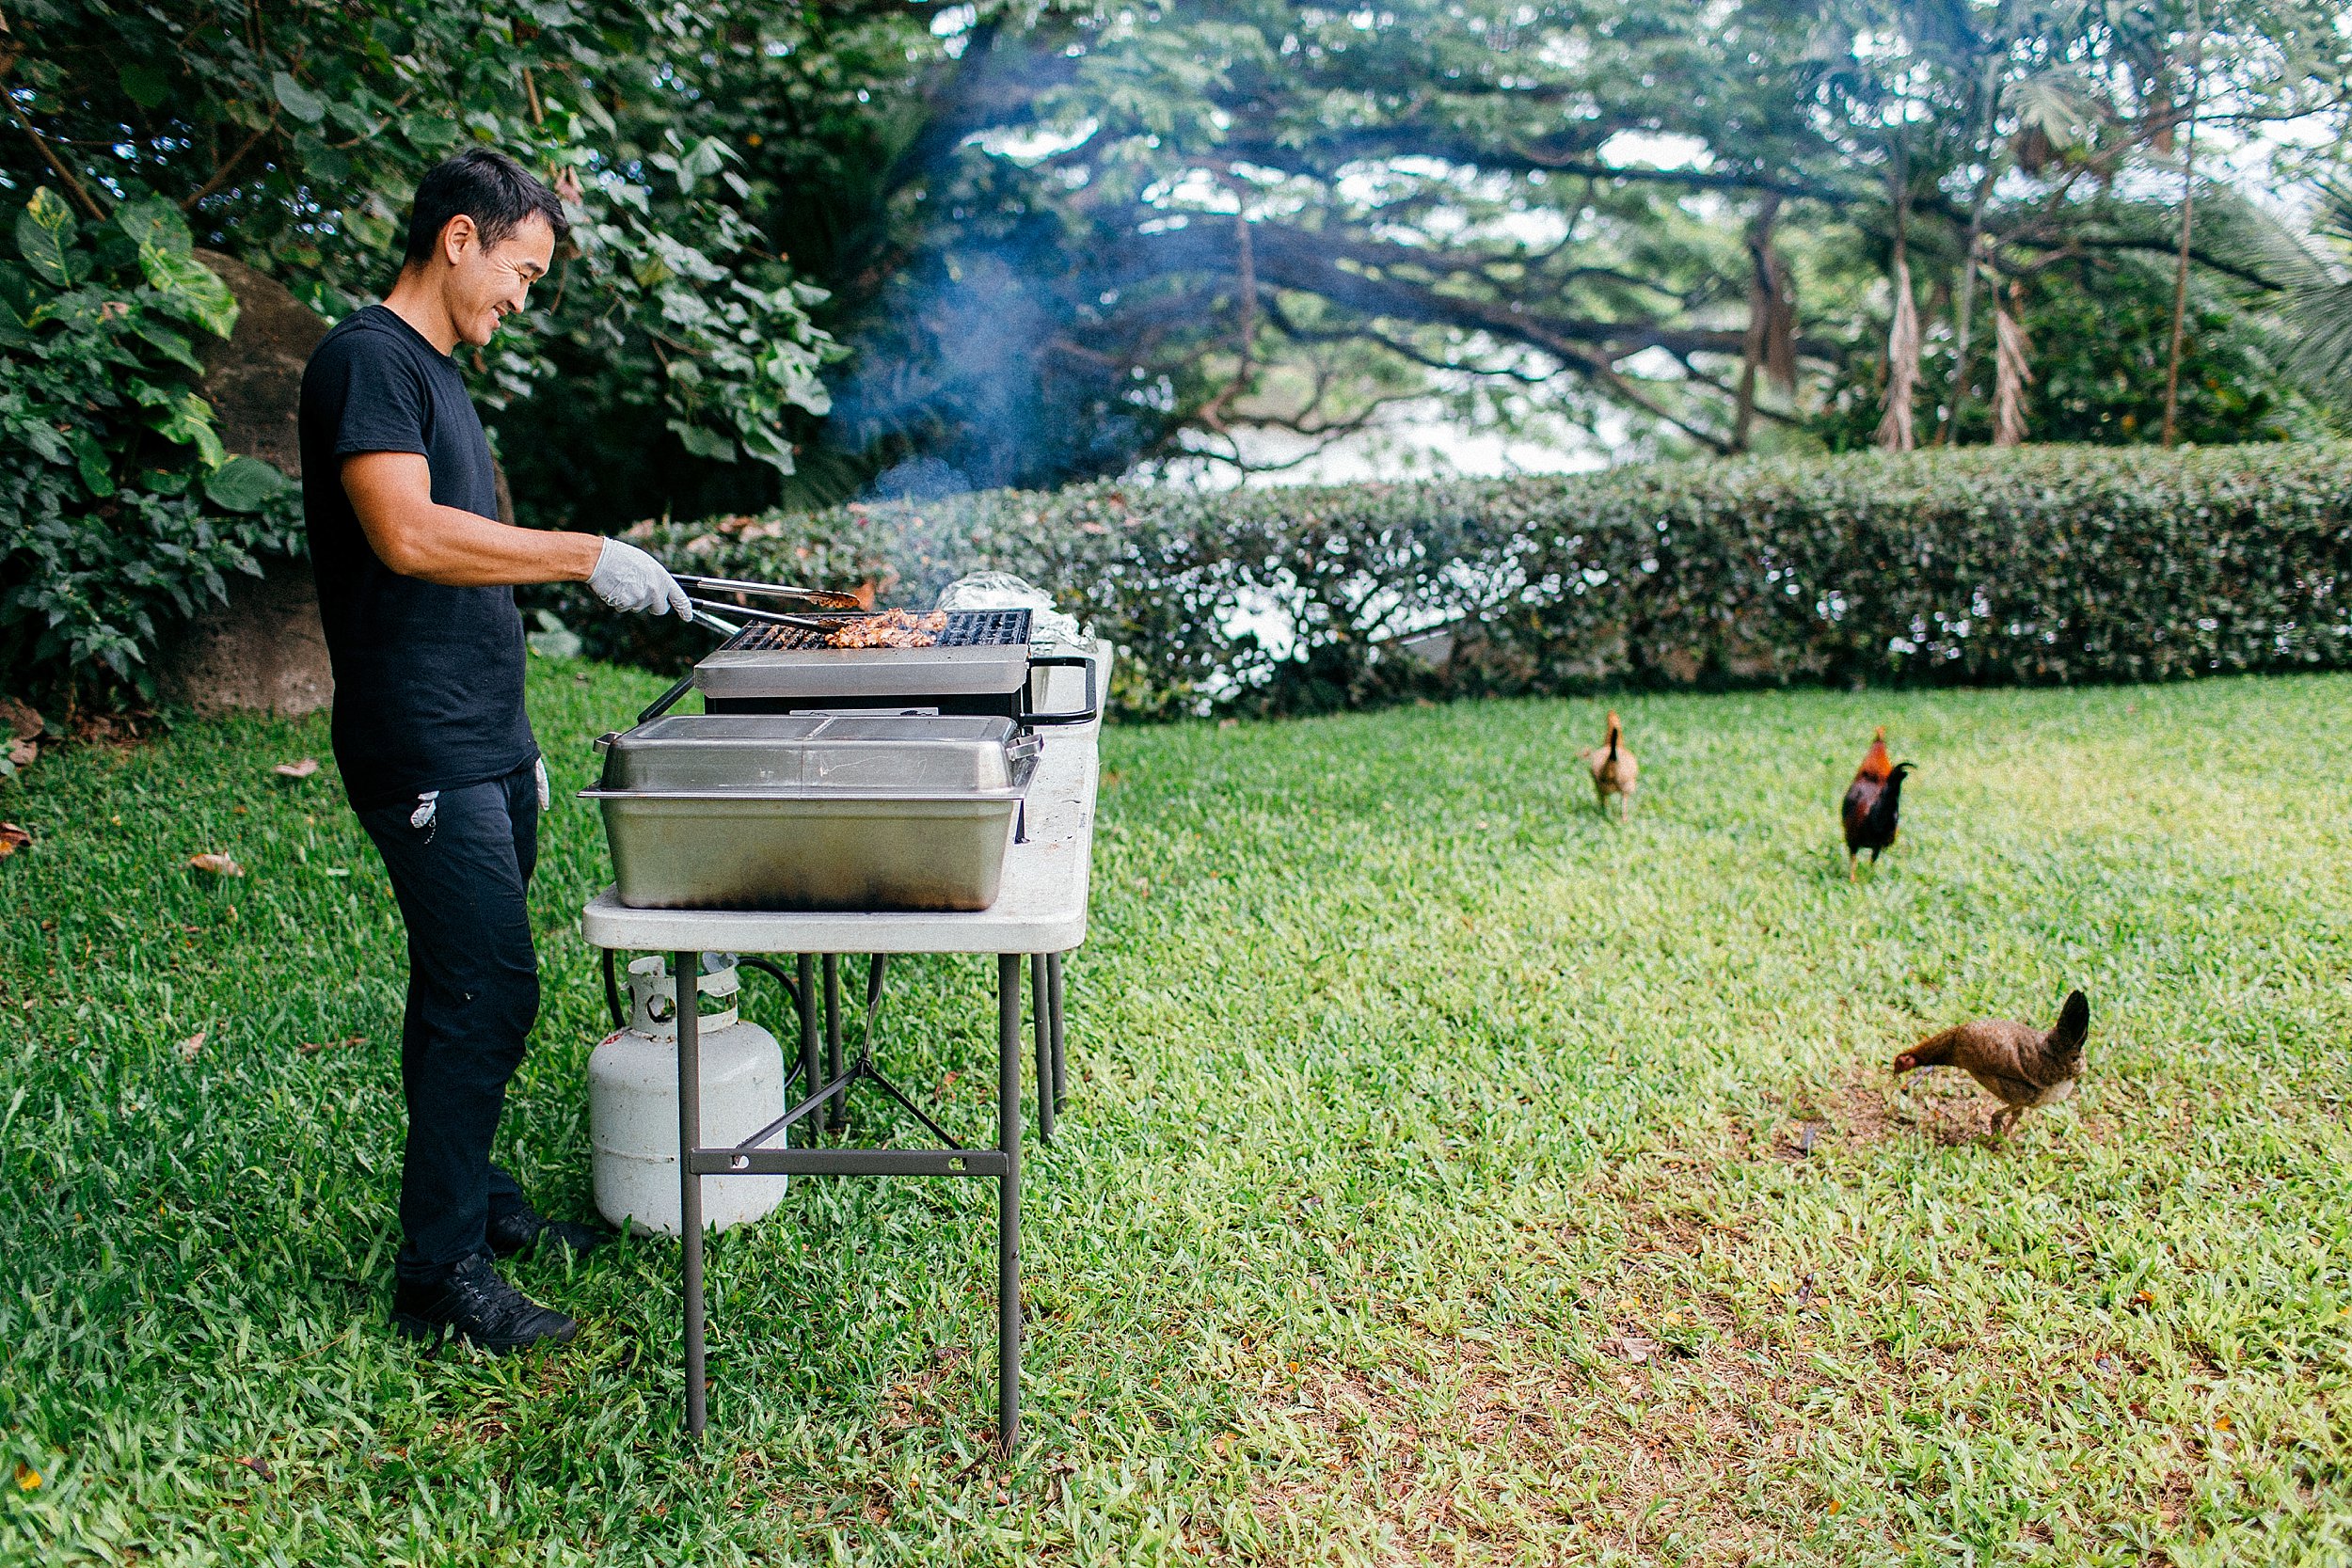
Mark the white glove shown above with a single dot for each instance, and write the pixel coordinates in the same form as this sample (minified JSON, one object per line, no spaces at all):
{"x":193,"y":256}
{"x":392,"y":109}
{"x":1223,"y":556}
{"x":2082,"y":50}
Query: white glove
{"x":627,"y":578}
{"x":539,"y":775}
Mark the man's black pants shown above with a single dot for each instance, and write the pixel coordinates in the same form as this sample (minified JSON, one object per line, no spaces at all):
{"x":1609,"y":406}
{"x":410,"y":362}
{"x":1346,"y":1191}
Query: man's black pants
{"x":460,"y":870}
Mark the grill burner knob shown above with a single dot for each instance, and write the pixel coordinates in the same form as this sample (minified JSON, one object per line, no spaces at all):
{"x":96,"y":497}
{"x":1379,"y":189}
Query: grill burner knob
{"x":632,"y":1102}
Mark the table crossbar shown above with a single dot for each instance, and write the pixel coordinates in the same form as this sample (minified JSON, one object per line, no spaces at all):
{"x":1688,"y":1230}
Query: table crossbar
{"x":849,"y":1161}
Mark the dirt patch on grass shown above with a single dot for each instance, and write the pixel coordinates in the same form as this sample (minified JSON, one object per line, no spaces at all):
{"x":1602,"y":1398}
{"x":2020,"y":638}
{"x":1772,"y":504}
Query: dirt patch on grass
{"x":1943,"y":1105}
{"x":1670,"y":1414}
{"x":1518,"y":1450}
{"x":1650,"y":1420}
{"x":1870,"y":1105}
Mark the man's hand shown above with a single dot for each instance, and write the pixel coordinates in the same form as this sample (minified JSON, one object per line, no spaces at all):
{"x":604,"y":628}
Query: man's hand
{"x":391,"y":492}
{"x":627,"y":578}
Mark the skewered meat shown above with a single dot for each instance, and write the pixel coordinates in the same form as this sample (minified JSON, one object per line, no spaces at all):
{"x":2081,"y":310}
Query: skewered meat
{"x":892,"y":628}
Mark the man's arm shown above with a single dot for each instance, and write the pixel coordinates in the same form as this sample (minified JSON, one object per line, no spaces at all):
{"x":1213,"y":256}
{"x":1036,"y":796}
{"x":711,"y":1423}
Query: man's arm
{"x":392,"y":494}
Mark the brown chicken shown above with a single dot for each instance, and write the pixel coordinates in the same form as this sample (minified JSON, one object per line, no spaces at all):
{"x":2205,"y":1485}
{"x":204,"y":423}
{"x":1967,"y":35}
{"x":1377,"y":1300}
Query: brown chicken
{"x":1615,"y":772}
{"x":1871,"y":804}
{"x":2018,"y":1064}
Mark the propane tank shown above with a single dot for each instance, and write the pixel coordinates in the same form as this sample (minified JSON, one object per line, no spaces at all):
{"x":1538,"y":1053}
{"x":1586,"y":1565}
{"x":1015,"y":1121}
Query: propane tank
{"x":632,"y":1101}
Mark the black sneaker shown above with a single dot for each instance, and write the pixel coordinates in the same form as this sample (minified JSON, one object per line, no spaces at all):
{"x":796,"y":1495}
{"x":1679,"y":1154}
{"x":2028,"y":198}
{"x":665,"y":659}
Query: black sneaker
{"x":519,"y":1230}
{"x":472,"y":1302}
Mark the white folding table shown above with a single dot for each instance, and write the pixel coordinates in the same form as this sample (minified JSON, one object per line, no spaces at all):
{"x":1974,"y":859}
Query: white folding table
{"x":1039,"y":913}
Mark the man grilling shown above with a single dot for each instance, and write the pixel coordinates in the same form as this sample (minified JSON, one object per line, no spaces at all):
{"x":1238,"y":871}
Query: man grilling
{"x":416,"y":582}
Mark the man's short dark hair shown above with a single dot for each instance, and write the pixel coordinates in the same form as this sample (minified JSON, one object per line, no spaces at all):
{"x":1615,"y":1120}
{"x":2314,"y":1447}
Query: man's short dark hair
{"x":491,"y":188}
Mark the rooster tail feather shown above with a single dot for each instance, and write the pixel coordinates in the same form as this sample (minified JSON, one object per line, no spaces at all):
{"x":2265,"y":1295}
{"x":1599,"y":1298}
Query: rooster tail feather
{"x":1889,"y":804}
{"x":2074,"y":1027}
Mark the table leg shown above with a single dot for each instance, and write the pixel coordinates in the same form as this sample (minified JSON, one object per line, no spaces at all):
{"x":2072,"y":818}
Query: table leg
{"x":1008,"y":1201}
{"x":1043,"y":1017}
{"x":687,"y":970}
{"x":1053,"y":991}
{"x":836,"y":1109}
{"x":808,"y":1043}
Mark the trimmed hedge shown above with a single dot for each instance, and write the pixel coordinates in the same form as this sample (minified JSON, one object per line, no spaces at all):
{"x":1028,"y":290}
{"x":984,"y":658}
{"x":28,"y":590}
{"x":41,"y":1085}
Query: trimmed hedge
{"x":1978,"y":566}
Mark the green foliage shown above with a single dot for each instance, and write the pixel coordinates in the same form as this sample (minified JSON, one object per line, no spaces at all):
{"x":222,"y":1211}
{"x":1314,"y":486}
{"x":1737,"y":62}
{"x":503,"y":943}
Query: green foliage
{"x":1062,"y":240}
{"x":2032,"y":566}
{"x":295,"y":146}
{"x":119,"y":513}
{"x":2315,"y":309}
{"x":2099,"y":334}
{"x":905,"y":250}
{"x":1404,"y":1088}
{"x":292,"y":144}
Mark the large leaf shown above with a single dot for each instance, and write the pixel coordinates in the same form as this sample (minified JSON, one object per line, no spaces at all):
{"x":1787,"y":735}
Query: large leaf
{"x":769,"y":445}
{"x":173,"y":345}
{"x":192,"y":286}
{"x":144,"y":84}
{"x":244,"y":484}
{"x":18,"y":290}
{"x":322,"y":162}
{"x":91,"y":459}
{"x":37,"y":435}
{"x":156,"y":223}
{"x":189,"y":418}
{"x":703,"y":160}
{"x":703,"y":442}
{"x":431,"y":134}
{"x":15,"y":333}
{"x":299,"y":100}
{"x":43,"y":230}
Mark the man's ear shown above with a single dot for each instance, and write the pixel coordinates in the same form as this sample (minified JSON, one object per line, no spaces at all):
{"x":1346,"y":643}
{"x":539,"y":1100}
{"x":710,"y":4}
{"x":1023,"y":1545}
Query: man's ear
{"x":458,"y":236}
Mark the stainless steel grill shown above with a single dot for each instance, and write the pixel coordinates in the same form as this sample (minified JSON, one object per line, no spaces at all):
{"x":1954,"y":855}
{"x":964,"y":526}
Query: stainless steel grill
{"x":966,"y":628}
{"x":981,"y":663}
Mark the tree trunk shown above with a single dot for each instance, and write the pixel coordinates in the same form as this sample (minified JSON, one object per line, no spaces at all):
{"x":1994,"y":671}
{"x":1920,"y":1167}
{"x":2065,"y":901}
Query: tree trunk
{"x":1902,"y":332}
{"x":265,"y":648}
{"x":1765,"y":311}
{"x":1968,"y":257}
{"x":2188,"y":216}
{"x":1902,"y":359}
{"x":2011,"y":374}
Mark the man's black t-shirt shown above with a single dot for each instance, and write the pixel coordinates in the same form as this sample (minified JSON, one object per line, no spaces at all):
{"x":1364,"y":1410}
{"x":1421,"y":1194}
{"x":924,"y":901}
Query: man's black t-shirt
{"x":428,"y":679}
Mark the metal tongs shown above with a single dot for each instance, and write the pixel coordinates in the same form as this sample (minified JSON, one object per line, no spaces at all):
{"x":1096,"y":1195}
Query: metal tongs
{"x":700,"y":617}
{"x":819,"y":599}
{"x":729,"y":624}
{"x":768,"y":617}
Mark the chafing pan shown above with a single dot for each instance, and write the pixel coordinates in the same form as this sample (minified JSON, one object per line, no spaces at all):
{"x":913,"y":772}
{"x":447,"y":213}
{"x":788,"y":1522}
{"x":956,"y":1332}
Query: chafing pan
{"x":754,"y":811}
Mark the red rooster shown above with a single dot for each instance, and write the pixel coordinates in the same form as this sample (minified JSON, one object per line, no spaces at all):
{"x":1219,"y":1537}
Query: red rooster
{"x":1872,"y":803}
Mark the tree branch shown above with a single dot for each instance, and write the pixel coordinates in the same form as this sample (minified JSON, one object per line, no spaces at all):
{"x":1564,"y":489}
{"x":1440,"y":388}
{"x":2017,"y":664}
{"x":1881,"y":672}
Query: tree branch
{"x":1426,"y":142}
{"x":80,"y":191}
{"x":1300,"y":260}
{"x":220,"y":175}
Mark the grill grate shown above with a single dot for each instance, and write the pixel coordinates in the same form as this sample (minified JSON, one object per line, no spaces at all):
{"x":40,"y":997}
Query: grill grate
{"x":966,"y":628}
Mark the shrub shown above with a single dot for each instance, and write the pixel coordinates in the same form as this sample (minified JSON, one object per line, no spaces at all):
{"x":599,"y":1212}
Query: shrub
{"x":1975,"y":567}
{"x":119,"y":510}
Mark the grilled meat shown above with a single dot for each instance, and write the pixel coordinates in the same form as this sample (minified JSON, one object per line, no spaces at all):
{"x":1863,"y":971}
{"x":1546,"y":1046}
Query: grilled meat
{"x":892,"y":628}
{"x":2017,"y":1064}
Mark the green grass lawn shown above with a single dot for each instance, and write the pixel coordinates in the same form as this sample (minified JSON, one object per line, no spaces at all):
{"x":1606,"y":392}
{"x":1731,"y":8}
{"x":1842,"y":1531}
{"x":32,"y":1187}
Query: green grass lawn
{"x":1450,"y":1176}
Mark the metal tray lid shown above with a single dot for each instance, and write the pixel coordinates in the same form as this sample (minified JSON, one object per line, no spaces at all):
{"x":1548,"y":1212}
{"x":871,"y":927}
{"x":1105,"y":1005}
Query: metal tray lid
{"x":800,"y":752}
